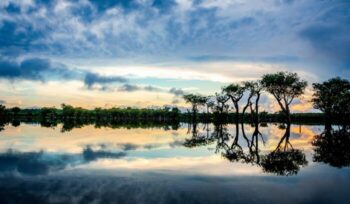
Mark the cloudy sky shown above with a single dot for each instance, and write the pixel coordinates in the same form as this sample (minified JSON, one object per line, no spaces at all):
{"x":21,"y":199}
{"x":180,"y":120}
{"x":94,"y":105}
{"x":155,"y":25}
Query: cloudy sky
{"x":149,"y":52}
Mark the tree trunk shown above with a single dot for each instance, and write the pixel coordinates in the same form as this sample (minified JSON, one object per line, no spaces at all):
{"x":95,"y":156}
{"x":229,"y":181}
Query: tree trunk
{"x":328,"y":121}
{"x":257,"y":119}
{"x":237,"y":112}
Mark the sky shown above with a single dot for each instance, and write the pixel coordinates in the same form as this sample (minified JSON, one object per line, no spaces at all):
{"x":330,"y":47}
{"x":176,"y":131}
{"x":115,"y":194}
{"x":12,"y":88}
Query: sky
{"x":148,"y":53}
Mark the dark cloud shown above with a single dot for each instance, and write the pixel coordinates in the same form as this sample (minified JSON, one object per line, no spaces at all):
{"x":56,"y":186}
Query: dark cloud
{"x":90,"y":155}
{"x":102,"y":5}
{"x":14,"y":40}
{"x":176,"y":92}
{"x":93,"y":78}
{"x":133,"y":87}
{"x":328,"y":35}
{"x":152,"y":88}
{"x":164,"y":5}
{"x":2,"y":101}
{"x":30,"y":163}
{"x":36,"y":69}
{"x":129,"y":88}
{"x":31,"y":69}
{"x":331,"y":41}
{"x":128,"y":146}
{"x":39,"y":69}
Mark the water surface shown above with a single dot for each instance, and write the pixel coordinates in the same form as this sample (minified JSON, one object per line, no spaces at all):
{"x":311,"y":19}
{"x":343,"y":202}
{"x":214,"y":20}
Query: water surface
{"x":172,"y":164}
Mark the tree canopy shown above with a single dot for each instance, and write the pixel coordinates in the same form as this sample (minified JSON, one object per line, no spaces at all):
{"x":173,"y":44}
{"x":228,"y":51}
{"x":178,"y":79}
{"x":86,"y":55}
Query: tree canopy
{"x":284,"y":86}
{"x":332,"y":97}
{"x":234,"y":91}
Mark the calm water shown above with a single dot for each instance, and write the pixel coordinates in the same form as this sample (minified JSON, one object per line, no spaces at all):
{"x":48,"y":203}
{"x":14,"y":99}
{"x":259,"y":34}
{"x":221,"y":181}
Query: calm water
{"x":201,"y":164}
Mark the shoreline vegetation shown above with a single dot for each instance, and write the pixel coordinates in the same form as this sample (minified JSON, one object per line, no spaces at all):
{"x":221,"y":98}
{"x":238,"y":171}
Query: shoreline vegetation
{"x":161,"y":115}
{"x":331,"y":98}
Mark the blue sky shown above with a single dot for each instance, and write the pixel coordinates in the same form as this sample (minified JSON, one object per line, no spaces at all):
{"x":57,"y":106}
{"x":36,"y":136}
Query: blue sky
{"x":148,"y":52}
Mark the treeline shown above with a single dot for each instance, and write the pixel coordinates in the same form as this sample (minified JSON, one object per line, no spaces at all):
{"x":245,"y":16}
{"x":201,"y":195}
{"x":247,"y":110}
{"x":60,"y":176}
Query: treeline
{"x":134,"y":117}
{"x":68,"y":112}
{"x":332,"y":97}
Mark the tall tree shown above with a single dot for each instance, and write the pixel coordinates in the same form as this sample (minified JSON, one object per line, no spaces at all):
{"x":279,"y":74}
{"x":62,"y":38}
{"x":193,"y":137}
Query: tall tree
{"x":285,"y":87}
{"x":332,"y":97}
{"x":254,"y":89}
{"x":2,"y":110}
{"x":235,"y":93}
{"x":221,"y":100}
{"x":195,"y":100}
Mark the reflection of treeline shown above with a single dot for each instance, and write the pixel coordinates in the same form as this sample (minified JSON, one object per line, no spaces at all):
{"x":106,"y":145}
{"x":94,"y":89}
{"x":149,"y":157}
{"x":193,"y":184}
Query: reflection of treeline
{"x":236,"y":146}
{"x":70,"y":124}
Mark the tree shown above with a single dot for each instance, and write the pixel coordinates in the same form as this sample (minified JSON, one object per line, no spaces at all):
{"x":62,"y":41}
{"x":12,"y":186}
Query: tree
{"x":284,"y":86}
{"x":221,"y":100}
{"x":254,"y":89}
{"x":209,"y":103}
{"x":235,"y":93}
{"x":344,"y":109}
{"x":332,"y":97}
{"x":2,"y":110}
{"x":196,"y":101}
{"x":15,"y":110}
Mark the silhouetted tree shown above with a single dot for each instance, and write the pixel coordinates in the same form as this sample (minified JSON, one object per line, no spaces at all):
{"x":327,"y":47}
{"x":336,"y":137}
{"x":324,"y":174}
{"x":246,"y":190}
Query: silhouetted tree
{"x":235,"y":92}
{"x":254,"y":89}
{"x":332,"y":97}
{"x":15,"y":110}
{"x":2,"y":111}
{"x":195,"y":101}
{"x":221,"y":100}
{"x":220,"y":108}
{"x":284,"y":86}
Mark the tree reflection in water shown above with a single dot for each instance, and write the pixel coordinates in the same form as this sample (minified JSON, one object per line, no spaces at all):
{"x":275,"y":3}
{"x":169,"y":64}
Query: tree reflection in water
{"x":2,"y":124}
{"x":332,"y":147}
{"x":198,"y":139}
{"x":284,"y":160}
